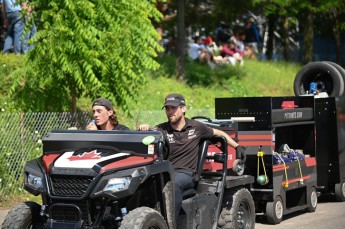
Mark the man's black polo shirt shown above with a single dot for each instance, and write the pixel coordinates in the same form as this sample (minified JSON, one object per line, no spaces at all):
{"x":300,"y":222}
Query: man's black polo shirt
{"x":184,"y":144}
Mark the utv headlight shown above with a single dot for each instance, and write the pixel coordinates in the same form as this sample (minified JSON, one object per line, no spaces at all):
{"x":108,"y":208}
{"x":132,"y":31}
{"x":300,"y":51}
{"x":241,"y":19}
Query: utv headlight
{"x":117,"y":184}
{"x":35,"y":181}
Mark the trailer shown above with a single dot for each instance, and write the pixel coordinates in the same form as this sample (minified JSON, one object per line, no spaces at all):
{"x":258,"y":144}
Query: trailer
{"x":281,"y":151}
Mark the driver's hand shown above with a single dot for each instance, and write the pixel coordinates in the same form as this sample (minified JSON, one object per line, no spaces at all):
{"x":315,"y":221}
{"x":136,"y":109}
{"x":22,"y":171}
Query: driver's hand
{"x":144,"y":127}
{"x":91,"y":127}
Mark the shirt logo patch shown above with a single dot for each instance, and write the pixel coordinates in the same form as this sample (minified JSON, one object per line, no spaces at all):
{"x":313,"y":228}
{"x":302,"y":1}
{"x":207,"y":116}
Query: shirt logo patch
{"x":191,"y":134}
{"x":170,"y":138}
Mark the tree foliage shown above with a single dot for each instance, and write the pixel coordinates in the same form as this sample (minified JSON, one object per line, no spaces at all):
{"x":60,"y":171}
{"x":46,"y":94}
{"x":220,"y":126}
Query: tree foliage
{"x":88,"y":48}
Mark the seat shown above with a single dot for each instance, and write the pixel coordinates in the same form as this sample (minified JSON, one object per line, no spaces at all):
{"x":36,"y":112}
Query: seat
{"x":202,"y":153}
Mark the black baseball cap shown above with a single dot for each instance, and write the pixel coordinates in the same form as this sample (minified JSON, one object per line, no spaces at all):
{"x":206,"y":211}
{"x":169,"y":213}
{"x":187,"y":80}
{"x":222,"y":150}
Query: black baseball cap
{"x":174,"y":100}
{"x":103,"y":102}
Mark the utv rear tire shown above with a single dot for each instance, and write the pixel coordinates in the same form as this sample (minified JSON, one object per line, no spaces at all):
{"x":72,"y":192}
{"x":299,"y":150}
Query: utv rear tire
{"x":143,"y":218}
{"x":312,"y":200}
{"x":323,"y":73}
{"x":340,"y":191}
{"x":240,"y":213}
{"x":24,"y":216}
{"x":275,"y":210}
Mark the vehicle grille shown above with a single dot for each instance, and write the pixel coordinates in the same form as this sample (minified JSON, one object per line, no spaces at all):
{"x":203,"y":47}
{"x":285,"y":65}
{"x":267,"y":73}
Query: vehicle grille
{"x":71,"y":186}
{"x":68,"y":212}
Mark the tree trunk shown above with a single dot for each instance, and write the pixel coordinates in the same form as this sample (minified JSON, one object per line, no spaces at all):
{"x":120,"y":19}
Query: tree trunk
{"x":271,"y":26}
{"x":308,"y":37}
{"x":285,"y":39}
{"x":336,"y":35}
{"x":180,"y":46}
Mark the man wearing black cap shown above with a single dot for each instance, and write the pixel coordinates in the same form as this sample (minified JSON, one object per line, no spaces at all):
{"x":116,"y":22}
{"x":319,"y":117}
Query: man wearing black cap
{"x":184,"y":136}
{"x":104,"y":116}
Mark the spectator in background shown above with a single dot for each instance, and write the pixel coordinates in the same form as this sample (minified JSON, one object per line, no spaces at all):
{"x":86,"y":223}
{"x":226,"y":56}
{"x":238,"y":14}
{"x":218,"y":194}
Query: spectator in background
{"x":200,"y":53}
{"x":223,"y":33}
{"x":15,"y":25}
{"x":30,"y":31}
{"x":253,"y":38}
{"x":230,"y":52}
{"x":211,"y":47}
{"x":245,"y":49}
{"x":168,"y":14}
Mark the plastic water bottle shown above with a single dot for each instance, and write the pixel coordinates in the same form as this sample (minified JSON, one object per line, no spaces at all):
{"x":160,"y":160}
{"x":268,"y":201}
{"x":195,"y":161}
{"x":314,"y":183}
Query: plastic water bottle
{"x":93,"y":122}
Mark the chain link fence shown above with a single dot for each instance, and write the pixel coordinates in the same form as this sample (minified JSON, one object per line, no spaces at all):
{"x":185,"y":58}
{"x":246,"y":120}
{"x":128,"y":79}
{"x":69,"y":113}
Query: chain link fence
{"x":21,"y":137}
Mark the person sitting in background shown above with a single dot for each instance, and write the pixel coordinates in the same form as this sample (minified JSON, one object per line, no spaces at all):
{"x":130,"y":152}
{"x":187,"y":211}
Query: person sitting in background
{"x":229,"y":51}
{"x":198,"y":52}
{"x":217,"y":59}
{"x":104,"y":116}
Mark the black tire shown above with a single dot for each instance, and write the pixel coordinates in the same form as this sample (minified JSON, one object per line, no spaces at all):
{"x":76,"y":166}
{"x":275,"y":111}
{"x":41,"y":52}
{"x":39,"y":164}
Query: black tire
{"x":312,"y":200}
{"x":275,"y":210}
{"x":143,"y":218}
{"x":328,"y":78}
{"x":340,"y":191}
{"x":239,"y":213}
{"x":24,"y":216}
{"x":340,"y":70}
{"x":169,"y":199}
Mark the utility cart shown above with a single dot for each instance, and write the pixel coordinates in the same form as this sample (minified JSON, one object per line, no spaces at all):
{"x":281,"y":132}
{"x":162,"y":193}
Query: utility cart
{"x":281,"y":152}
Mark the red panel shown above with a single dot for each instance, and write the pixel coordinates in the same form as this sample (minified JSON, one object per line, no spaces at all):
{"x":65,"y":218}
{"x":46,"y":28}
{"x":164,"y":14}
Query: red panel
{"x":256,"y":137}
{"x":127,"y":162}
{"x":48,"y":160}
{"x":310,"y":161}
{"x":213,"y":166}
{"x":267,"y":143}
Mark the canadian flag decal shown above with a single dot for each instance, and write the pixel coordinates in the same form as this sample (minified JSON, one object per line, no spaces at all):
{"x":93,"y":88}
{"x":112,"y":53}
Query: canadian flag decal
{"x":86,"y":156}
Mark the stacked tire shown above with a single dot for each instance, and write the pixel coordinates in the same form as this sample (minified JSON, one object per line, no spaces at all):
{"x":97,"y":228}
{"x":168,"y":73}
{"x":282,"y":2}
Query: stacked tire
{"x":328,"y":76}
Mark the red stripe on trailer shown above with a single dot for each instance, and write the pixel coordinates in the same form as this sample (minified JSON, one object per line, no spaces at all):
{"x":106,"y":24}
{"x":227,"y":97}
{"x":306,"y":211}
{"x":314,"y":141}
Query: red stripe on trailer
{"x":48,"y":160}
{"x":310,"y":161}
{"x":268,"y":143}
{"x":258,"y":137}
{"x":280,"y":167}
{"x":296,"y":180}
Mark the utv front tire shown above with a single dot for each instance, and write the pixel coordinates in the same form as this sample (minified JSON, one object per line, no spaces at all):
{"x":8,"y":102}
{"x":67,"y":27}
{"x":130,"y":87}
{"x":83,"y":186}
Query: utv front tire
{"x":143,"y":218}
{"x":23,"y":216}
{"x":240,"y":213}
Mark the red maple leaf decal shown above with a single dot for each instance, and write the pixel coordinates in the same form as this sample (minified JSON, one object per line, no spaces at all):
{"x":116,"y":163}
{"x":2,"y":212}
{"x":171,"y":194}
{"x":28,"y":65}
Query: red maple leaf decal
{"x":86,"y":156}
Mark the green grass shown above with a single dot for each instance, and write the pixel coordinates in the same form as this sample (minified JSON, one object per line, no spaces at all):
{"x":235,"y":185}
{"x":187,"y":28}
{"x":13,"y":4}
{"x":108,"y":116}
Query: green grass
{"x":255,"y":78}
{"x":200,"y":86}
